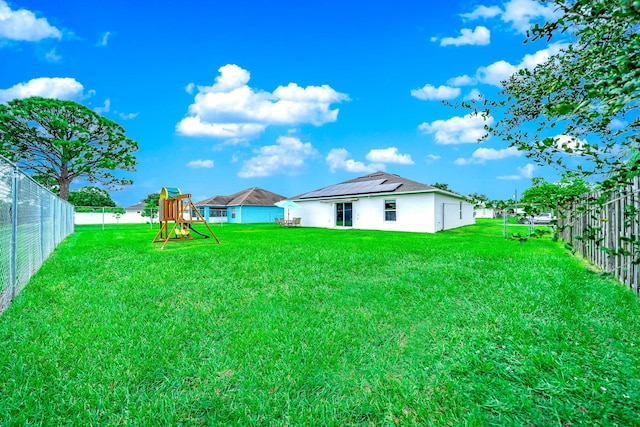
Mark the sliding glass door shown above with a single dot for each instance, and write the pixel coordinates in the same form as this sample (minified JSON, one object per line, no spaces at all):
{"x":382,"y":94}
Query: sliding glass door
{"x":344,"y":214}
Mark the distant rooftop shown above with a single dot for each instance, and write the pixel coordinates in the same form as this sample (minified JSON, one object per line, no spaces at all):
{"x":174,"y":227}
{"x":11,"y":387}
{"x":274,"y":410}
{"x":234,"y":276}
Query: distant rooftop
{"x":250,"y":197}
{"x":137,"y":207}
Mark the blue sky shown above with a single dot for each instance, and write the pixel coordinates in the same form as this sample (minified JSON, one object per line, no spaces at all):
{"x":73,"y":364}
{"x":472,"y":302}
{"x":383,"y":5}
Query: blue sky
{"x":288,"y":96}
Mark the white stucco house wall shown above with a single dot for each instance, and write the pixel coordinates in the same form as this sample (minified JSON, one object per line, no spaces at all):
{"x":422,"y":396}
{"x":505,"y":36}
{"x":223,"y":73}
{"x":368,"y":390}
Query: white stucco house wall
{"x":482,"y":211}
{"x":384,"y":201}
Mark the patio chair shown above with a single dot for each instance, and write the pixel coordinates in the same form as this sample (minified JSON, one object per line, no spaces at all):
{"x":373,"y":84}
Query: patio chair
{"x":296,"y":221}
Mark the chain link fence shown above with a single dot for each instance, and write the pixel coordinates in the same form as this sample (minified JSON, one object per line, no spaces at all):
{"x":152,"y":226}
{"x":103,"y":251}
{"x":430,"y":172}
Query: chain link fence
{"x":33,"y":221}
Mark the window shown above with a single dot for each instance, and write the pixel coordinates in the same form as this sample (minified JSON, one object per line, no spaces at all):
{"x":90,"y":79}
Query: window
{"x":233,"y":213}
{"x":389,"y":210}
{"x":218,"y":213}
{"x":344,"y":214}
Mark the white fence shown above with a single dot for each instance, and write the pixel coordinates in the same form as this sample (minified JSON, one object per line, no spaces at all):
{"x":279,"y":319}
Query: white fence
{"x":104,"y":216}
{"x":33,"y":221}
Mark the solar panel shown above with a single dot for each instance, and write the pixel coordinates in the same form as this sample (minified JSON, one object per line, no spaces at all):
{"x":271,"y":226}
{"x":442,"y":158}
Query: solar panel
{"x":351,"y":188}
{"x":388,"y":187}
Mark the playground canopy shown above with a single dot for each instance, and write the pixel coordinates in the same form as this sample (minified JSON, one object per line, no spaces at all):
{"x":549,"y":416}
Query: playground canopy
{"x":178,"y":208}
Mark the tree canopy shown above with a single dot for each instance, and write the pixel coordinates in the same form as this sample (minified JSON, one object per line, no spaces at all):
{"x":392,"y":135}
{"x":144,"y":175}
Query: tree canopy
{"x":91,"y":196}
{"x":151,"y":205}
{"x":60,"y":141}
{"x":578,"y":110}
{"x":441,"y":186}
{"x":545,"y":195}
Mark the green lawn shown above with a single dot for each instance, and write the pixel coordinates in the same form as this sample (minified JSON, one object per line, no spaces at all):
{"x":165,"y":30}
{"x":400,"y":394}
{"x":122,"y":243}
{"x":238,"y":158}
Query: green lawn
{"x":298,"y":326}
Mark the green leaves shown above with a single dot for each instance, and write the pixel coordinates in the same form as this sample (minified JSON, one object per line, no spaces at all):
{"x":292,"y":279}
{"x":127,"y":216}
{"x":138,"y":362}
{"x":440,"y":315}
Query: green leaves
{"x":65,"y":140}
{"x":578,"y":111}
{"x":90,"y":196}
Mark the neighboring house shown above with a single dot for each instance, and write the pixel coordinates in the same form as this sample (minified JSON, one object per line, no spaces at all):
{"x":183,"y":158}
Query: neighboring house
{"x":252,"y":205}
{"x":482,"y":211}
{"x":134,"y":213}
{"x":383,"y":201}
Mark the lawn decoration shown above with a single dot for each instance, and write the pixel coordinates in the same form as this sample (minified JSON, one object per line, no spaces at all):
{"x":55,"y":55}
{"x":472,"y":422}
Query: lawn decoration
{"x":178,"y":208}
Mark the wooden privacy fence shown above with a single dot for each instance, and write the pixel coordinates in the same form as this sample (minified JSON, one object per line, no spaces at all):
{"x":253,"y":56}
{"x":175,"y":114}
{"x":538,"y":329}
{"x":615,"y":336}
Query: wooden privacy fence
{"x":605,"y":229}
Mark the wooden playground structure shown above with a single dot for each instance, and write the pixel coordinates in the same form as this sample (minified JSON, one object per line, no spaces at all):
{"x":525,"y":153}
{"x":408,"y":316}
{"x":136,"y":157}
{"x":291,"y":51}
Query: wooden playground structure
{"x":177,"y":208}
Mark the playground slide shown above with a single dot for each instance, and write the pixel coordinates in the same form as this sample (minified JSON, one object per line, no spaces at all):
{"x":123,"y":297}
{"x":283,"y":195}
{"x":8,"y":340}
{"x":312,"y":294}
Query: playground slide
{"x":206,"y":236}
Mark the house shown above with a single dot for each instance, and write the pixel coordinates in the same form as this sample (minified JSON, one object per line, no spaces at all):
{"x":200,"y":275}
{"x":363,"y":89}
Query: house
{"x":252,"y":205}
{"x":482,"y":211}
{"x":384,"y":201}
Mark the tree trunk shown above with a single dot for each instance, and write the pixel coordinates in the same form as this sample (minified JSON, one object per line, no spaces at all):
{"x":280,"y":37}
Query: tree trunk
{"x":64,"y":189}
{"x":63,"y":181}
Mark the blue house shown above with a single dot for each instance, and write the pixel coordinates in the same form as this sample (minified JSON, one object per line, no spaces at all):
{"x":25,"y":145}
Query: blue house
{"x":245,"y":207}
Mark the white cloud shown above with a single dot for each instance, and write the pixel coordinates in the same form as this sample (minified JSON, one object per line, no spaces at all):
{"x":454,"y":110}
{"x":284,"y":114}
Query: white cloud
{"x":286,"y":157}
{"x":388,"y":155}
{"x":474,"y":94}
{"x":525,"y":172}
{"x":493,"y":154}
{"x":457,"y":130}
{"x":461,"y":161}
{"x":193,"y":126}
{"x":481,"y":155}
{"x":617,"y":124}
{"x":483,"y":12}
{"x":189,"y":88}
{"x":104,"y":40}
{"x":432,"y":158}
{"x":522,"y":13}
{"x":231,"y":77}
{"x":499,"y":71}
{"x":496,"y":73}
{"x":199,"y":164}
{"x":128,"y":116}
{"x":480,"y":36}
{"x":529,"y":61}
{"x":22,"y":25}
{"x":464,"y":80}
{"x":48,"y":87}
{"x":230,"y":108}
{"x":105,"y":108}
{"x":337,"y":159}
{"x":52,"y":56}
{"x":431,"y":92}
{"x":570,"y":144}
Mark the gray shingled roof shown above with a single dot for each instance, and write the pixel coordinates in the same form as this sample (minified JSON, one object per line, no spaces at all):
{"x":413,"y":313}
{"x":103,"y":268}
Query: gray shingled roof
{"x":250,"y":197}
{"x":406,"y":185}
{"x":137,"y":207}
{"x":214,"y":201}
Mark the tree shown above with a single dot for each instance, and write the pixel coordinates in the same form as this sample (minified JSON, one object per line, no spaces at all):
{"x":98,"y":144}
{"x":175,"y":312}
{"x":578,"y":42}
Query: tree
{"x":57,"y":140}
{"x":545,"y":195}
{"x":151,"y":205}
{"x":91,"y":196}
{"x":478,"y":199}
{"x":578,"y":111}
{"x":442,"y":186}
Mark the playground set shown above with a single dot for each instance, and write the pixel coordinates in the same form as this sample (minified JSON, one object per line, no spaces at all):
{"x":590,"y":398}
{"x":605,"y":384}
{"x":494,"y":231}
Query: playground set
{"x":177,"y":208}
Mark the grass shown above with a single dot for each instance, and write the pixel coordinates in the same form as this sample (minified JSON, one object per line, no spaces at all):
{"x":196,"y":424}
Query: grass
{"x":299,"y":326}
